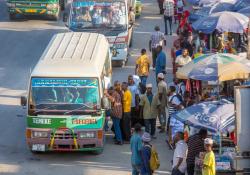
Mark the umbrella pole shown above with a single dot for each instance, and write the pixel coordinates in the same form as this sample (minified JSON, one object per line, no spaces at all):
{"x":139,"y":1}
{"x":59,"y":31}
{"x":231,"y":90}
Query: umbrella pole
{"x":220,"y":146}
{"x":211,"y":42}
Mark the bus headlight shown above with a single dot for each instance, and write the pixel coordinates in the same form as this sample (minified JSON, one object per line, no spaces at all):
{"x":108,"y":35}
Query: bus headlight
{"x":39,"y":134}
{"x":52,"y":6}
{"x":86,"y":135}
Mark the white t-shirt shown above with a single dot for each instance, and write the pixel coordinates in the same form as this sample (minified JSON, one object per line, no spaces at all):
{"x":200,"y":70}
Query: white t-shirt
{"x":183,"y":61}
{"x":180,"y":152}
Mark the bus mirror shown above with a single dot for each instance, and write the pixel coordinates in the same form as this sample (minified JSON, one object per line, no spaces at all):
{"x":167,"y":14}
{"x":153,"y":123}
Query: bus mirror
{"x":65,"y":17}
{"x":23,"y":101}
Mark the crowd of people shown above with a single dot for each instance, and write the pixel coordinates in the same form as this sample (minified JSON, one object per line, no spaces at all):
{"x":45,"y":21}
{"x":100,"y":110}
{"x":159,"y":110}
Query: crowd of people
{"x":134,"y":106}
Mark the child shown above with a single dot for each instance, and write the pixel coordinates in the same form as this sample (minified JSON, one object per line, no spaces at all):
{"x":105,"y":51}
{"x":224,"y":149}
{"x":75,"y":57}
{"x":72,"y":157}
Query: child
{"x":208,"y":167}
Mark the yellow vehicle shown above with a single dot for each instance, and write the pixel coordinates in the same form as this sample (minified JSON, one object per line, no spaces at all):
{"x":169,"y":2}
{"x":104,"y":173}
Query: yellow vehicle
{"x":138,"y":8}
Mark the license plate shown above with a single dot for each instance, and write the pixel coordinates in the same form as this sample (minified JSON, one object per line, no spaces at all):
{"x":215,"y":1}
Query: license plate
{"x":30,"y":11}
{"x":38,"y":147}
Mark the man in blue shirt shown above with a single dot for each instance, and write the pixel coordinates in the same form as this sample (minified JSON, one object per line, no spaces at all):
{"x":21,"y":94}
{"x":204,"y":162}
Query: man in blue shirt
{"x":160,"y":66}
{"x":136,"y":146}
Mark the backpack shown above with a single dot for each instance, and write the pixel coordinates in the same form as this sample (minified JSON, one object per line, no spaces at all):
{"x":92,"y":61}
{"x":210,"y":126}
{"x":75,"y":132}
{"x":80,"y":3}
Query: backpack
{"x":154,"y":159}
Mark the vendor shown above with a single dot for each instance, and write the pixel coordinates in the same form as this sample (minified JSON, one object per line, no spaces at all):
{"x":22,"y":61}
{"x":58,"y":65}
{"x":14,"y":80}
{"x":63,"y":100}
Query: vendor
{"x":195,"y":146}
{"x":208,"y":167}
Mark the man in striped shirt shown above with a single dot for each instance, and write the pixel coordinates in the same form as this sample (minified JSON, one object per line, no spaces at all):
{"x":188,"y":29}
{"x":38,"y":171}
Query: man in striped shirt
{"x":195,"y":146}
{"x":157,"y":39}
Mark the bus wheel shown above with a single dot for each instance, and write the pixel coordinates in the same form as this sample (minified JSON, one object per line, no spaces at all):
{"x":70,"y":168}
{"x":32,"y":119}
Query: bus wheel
{"x":12,"y":16}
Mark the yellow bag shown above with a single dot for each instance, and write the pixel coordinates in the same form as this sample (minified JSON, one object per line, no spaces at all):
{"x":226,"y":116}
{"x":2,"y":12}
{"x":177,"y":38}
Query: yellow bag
{"x":154,"y":159}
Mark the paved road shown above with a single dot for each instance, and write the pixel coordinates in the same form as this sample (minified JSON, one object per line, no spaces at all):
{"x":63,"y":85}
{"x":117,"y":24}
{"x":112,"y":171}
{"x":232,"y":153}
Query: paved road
{"x":21,"y":44}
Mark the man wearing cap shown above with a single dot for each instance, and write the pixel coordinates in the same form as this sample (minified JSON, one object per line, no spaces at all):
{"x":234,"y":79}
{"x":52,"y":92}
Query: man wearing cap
{"x":150,"y":107}
{"x":208,"y":167}
{"x":180,"y":154}
{"x":146,"y":154}
{"x":162,"y":95}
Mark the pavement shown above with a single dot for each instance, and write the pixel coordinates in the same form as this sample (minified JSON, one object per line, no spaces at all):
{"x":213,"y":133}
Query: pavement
{"x":22,"y":43}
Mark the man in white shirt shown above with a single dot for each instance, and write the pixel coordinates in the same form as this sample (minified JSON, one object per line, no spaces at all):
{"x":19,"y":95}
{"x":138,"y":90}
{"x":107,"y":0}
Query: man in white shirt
{"x":135,"y":100}
{"x":180,"y":155}
{"x":183,"y":59}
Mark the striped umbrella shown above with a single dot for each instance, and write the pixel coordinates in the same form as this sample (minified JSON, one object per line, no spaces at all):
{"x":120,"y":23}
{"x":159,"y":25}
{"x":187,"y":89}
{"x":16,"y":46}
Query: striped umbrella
{"x":215,"y":67}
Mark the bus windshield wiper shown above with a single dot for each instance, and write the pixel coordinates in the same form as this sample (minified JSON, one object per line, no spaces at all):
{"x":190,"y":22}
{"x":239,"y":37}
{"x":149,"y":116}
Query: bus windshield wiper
{"x":44,"y":109}
{"x":83,"y":105}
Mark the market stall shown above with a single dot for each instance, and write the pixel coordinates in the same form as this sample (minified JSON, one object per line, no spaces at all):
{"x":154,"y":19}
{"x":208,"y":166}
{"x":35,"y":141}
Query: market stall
{"x":216,"y":116}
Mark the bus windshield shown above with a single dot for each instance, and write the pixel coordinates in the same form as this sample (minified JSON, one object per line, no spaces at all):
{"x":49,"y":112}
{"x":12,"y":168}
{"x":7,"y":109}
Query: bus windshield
{"x":99,"y":14}
{"x":64,"y":95}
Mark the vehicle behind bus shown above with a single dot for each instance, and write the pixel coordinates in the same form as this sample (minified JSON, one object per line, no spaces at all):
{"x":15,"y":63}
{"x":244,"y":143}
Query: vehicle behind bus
{"x":49,"y":8}
{"x":65,"y":92}
{"x":108,"y":17}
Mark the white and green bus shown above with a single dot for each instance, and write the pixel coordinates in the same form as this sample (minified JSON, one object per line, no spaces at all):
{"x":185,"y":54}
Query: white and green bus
{"x":65,"y":92}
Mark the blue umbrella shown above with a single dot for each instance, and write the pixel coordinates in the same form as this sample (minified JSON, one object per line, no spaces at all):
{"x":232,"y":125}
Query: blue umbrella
{"x":193,"y":2}
{"x":245,"y":11}
{"x":222,"y":21}
{"x":207,"y":10}
{"x":241,"y":4}
{"x":215,"y":116}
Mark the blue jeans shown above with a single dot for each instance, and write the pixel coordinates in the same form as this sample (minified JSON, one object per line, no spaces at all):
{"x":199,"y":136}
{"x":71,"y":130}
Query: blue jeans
{"x":116,"y":123}
{"x":106,"y":127}
{"x":136,"y":169}
{"x":166,"y":20}
{"x":143,"y":80}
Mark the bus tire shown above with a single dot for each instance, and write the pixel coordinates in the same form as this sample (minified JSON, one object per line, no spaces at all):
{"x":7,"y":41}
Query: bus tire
{"x":12,"y":16}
